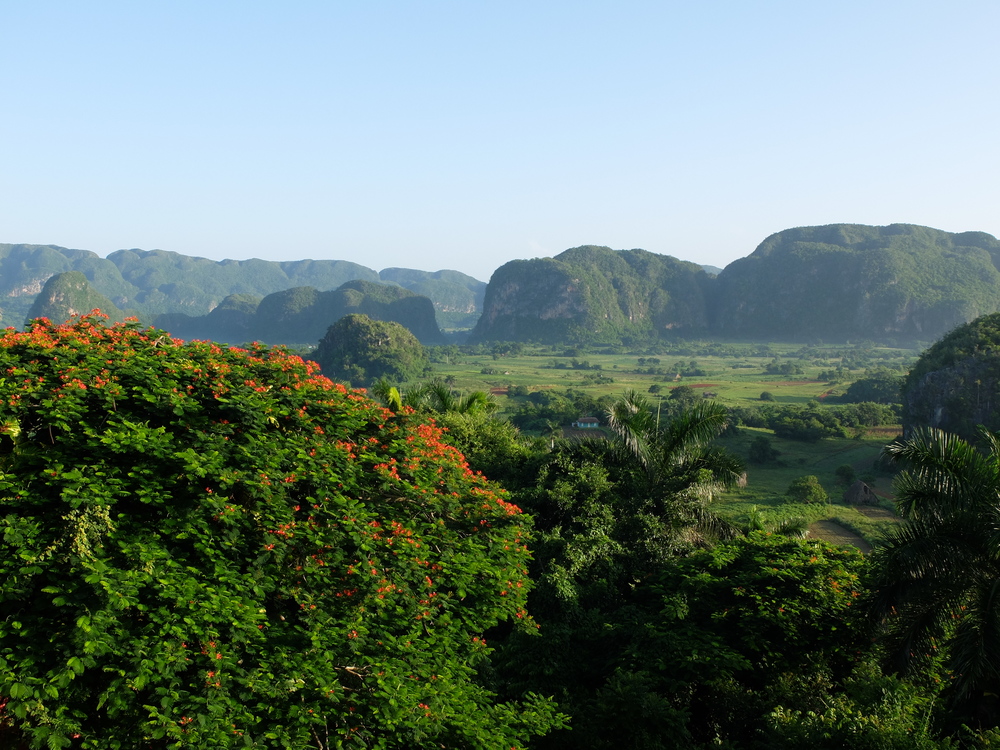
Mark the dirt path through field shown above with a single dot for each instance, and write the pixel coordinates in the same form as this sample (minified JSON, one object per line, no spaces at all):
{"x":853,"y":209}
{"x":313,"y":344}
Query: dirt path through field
{"x":833,"y":532}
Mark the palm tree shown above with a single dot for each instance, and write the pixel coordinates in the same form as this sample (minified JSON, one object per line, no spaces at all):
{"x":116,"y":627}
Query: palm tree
{"x":678,"y":451}
{"x":387,"y":394}
{"x":680,"y":469}
{"x":442,"y":398}
{"x":434,"y":396}
{"x":553,"y":430}
{"x":395,"y":400}
{"x":937,"y":576}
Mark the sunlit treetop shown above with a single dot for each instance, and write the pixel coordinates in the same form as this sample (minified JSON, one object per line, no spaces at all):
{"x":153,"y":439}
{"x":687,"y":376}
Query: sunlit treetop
{"x":204,"y":546}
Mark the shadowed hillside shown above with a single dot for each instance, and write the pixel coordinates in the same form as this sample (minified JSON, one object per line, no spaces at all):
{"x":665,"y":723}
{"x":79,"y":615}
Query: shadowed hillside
{"x":302,"y":315}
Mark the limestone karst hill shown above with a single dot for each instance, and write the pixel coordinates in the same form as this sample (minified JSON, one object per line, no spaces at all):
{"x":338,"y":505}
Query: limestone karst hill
{"x":838,"y":282}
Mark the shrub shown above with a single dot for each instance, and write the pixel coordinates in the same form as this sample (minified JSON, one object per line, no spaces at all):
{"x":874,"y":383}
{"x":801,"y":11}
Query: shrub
{"x":807,"y":489}
{"x":846,"y":474}
{"x":213,"y":547}
{"x":761,"y":451}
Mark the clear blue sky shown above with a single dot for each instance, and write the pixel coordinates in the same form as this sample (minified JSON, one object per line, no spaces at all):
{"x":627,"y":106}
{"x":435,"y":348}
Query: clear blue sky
{"x":465,"y":134}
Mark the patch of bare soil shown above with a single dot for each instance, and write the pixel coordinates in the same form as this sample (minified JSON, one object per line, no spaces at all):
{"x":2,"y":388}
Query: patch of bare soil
{"x":876,"y":513}
{"x":833,"y":532}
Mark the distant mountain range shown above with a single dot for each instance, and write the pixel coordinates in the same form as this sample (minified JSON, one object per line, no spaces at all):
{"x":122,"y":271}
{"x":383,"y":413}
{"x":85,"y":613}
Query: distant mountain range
{"x":150,"y":282}
{"x":155,"y":283}
{"x":837,"y":282}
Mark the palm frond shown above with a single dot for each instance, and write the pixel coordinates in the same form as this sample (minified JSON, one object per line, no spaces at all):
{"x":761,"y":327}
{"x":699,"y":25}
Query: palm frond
{"x":936,"y":577}
{"x":477,"y":401}
{"x":693,"y":430}
{"x":796,"y":527}
{"x":632,"y":423}
{"x":975,"y":650}
{"x":387,"y":394}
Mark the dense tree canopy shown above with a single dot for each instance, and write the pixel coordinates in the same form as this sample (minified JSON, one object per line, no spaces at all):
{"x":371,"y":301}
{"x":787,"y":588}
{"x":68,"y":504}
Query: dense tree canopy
{"x":359,"y":350}
{"x":938,"y":575}
{"x":953,"y":385}
{"x":880,"y":387}
{"x":204,"y":547}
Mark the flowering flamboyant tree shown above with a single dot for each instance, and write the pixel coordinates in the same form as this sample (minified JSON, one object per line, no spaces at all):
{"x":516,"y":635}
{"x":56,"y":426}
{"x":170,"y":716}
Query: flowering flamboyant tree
{"x":206,"y":547}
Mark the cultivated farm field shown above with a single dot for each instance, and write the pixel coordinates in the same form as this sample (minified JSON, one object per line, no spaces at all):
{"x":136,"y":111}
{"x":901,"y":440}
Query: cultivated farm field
{"x":733,"y":373}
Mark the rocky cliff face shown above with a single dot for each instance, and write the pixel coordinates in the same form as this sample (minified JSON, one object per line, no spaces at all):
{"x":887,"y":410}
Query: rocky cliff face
{"x":955,"y":385}
{"x":958,"y":398}
{"x":593,"y":293}
{"x":68,"y":294}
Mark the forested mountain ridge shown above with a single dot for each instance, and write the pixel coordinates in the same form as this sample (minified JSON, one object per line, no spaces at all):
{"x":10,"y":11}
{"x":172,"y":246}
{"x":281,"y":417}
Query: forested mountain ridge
{"x":302,"y":315}
{"x":844,"y":281}
{"x":900,"y":282}
{"x":593,"y":292}
{"x":837,"y":282}
{"x":153,"y":282}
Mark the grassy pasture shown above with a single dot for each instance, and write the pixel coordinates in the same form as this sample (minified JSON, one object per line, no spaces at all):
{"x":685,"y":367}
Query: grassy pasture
{"x":738,"y":377}
{"x":768,"y":483}
{"x":736,"y":373}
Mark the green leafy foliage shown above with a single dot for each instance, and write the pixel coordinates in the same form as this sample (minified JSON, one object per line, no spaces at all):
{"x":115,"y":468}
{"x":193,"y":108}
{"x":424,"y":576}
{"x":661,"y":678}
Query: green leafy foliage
{"x":935,"y":582}
{"x":845,"y":474}
{"x":610,"y":514}
{"x":807,"y":489}
{"x":736,"y":620}
{"x":216,"y":548}
{"x":873,"y":712}
{"x":761,"y":451}
{"x":359,"y":350}
{"x":540,"y":408}
{"x":809,"y":423}
{"x":880,"y":387}
{"x":953,"y":385}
